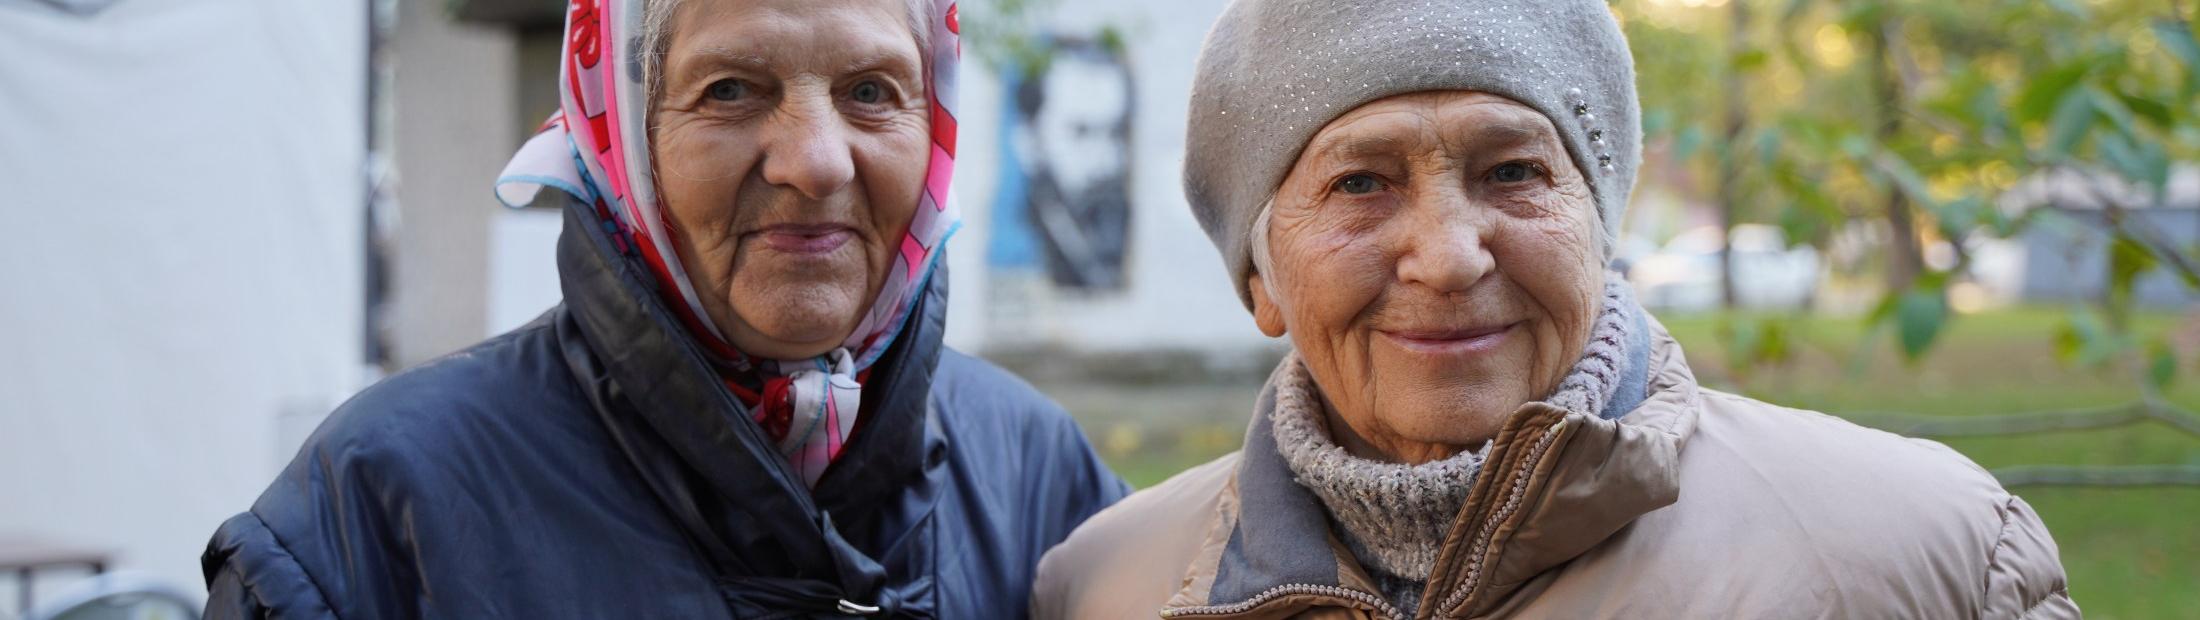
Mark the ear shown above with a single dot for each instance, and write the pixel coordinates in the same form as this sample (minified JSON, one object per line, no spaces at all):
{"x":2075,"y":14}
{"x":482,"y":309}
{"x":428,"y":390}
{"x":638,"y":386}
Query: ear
{"x":1266,"y":313}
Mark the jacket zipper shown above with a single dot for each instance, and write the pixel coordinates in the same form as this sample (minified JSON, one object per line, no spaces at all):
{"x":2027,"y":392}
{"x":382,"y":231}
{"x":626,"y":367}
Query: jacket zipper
{"x":1489,"y":526}
{"x":1357,"y":596}
{"x":1474,"y":573}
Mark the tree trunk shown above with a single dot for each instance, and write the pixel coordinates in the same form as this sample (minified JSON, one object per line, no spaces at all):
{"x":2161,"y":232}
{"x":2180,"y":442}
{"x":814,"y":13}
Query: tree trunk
{"x":1729,"y":157}
{"x":1905,"y":256}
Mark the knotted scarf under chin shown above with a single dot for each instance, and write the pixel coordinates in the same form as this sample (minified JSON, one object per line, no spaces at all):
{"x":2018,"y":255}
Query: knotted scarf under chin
{"x":808,"y":413}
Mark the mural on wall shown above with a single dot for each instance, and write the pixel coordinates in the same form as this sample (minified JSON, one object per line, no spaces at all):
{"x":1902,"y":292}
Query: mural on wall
{"x":1063,"y":206}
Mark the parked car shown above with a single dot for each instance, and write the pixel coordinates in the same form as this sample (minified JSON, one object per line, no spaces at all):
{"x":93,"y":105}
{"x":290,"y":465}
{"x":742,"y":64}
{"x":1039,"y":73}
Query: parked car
{"x":1684,"y":273}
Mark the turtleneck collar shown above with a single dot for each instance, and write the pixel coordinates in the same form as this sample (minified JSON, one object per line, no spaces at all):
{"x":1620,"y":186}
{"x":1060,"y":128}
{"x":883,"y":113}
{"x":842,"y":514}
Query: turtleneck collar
{"x":1393,"y":516}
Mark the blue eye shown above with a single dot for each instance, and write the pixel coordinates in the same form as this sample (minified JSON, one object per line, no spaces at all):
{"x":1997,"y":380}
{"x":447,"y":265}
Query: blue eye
{"x":1358,"y":183}
{"x":727,"y":90}
{"x":869,"y":92}
{"x":1512,"y":172}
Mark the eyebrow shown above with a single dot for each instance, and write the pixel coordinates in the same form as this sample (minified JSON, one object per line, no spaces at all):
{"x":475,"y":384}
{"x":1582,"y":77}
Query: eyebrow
{"x":711,"y":58}
{"x":1360,"y":147}
{"x":876,"y":61}
{"x":1502,"y":133}
{"x":730,"y":56}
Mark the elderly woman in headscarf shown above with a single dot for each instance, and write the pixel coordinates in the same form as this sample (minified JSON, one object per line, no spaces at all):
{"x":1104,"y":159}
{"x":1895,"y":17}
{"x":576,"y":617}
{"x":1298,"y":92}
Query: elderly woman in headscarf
{"x":743,"y":407}
{"x":1476,"y":419}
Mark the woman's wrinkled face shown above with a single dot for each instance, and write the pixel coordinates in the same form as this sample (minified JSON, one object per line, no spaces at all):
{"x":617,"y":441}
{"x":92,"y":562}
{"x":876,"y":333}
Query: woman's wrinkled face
{"x":1434,"y":258}
{"x":790,"y":143}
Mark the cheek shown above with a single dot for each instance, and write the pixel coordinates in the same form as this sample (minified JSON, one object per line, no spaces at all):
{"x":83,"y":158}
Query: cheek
{"x":699,"y":168}
{"x":1330,"y":274}
{"x":892,"y":165}
{"x":1556,"y":262}
{"x":688,"y":146}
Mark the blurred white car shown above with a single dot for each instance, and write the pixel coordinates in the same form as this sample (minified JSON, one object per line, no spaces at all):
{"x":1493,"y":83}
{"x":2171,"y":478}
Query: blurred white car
{"x":1684,"y":274}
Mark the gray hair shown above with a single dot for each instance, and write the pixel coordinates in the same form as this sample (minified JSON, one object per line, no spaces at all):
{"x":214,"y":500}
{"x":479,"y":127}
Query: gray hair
{"x":656,"y":38}
{"x":1258,"y":243}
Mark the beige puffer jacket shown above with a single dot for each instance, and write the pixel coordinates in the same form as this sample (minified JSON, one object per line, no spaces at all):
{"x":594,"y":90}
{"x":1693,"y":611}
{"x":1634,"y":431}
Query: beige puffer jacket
{"x":1697,"y":504}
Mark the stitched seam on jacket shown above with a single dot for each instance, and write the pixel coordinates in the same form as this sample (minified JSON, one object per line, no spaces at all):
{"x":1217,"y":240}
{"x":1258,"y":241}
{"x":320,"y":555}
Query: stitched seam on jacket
{"x":289,"y":558}
{"x":1993,"y":556}
{"x":2044,"y":600}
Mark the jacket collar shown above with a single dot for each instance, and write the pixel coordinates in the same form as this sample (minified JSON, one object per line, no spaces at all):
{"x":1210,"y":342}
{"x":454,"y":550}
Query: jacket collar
{"x":694,"y":444}
{"x":1555,"y":485}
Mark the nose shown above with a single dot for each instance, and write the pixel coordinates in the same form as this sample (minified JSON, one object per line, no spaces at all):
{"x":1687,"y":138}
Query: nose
{"x":1445,"y":244}
{"x":805,"y":147}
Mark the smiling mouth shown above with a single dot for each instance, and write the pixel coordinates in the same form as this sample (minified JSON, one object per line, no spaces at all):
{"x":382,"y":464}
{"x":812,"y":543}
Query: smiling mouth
{"x":1466,"y":341}
{"x":805,"y":239}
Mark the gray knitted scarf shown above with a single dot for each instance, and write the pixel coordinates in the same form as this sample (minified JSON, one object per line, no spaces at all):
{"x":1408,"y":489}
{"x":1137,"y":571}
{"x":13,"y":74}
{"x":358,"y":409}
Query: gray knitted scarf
{"x":1394,"y":516}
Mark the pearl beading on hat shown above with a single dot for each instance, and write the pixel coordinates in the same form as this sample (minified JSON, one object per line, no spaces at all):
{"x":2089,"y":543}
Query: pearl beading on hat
{"x":1588,"y":121}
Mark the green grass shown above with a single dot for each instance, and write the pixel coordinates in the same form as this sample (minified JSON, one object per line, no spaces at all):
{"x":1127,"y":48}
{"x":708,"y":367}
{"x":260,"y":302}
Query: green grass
{"x":2130,"y":553}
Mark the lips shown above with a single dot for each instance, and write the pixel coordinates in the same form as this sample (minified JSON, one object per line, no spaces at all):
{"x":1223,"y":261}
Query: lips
{"x":1452,"y":341}
{"x":805,"y":238}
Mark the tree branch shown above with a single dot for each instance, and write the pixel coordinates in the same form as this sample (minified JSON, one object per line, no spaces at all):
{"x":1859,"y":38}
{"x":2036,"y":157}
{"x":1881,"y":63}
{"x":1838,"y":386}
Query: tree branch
{"x":2113,"y":208}
{"x":2099,"y":476}
{"x":2033,"y":422}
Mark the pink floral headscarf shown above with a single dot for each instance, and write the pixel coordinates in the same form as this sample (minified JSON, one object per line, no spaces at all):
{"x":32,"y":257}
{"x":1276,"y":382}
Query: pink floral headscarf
{"x":809,"y":407}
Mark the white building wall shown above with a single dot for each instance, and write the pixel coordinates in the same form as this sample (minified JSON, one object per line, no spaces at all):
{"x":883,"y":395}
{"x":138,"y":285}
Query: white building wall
{"x":180,"y":284}
{"x":455,"y":117}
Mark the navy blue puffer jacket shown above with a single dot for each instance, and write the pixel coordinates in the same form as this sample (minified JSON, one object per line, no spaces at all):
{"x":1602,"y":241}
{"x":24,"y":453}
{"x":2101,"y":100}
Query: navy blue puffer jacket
{"x":591,"y":465}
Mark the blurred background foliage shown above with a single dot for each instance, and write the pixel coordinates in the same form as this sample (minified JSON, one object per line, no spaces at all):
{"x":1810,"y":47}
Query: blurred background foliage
{"x":1922,"y":116}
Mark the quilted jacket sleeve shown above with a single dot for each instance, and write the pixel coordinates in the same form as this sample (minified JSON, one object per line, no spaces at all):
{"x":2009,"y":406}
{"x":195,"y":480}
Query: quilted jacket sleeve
{"x":250,"y":575}
{"x":2024,"y":575}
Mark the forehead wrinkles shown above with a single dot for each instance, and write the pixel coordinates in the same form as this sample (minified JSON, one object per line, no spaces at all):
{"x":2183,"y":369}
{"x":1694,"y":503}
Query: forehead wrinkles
{"x":1496,"y":124}
{"x":1373,"y":131}
{"x":834,"y":38}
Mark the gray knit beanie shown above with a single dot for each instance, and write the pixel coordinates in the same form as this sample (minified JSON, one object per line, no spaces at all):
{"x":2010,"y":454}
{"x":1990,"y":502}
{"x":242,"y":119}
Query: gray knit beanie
{"x":1273,"y":72}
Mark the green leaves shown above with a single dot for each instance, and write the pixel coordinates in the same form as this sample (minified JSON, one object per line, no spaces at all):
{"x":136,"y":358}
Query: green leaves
{"x":2155,"y":113}
{"x":1752,"y":341}
{"x":1749,"y":60}
{"x":2083,"y":340}
{"x":1919,"y":317}
{"x":2177,"y":39}
{"x":2112,"y":108}
{"x":2070,"y":7}
{"x":1894,"y":168}
{"x":1948,"y":106}
{"x":2144,"y":162}
{"x":2046,"y":93}
{"x":1919,"y":314}
{"x":1957,"y":217}
{"x":1006,"y":35}
{"x":2073,"y":118}
{"x":2161,"y":365}
{"x":2127,"y":260}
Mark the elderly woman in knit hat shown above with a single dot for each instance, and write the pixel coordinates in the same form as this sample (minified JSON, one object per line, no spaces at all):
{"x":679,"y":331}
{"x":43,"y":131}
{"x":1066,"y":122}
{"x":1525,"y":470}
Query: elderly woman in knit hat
{"x":1476,"y":419}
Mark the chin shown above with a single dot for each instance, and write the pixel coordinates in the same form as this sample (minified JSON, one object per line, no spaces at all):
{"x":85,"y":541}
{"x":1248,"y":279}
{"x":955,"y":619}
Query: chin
{"x":810,"y":318}
{"x":1466,"y":417}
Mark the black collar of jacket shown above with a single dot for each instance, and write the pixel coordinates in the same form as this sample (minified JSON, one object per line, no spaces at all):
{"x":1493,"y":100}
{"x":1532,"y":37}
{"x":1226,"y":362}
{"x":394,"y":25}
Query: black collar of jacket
{"x":778,"y":543}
